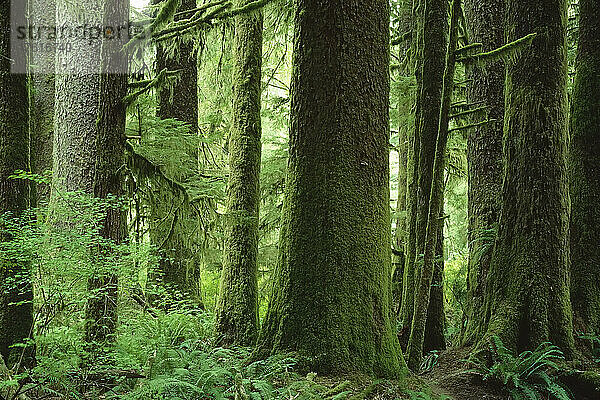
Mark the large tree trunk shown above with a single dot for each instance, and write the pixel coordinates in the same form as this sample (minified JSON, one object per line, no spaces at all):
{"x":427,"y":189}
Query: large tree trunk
{"x":527,"y":295}
{"x":16,"y":295}
{"x":585,"y":174}
{"x":179,"y":263}
{"x":237,"y":308}
{"x":101,"y":312}
{"x":332,"y":290}
{"x":41,"y":111}
{"x":484,"y":155}
{"x":76,"y":102}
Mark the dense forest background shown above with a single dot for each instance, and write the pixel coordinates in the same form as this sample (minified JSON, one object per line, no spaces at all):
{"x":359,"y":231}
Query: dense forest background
{"x":300,"y":199}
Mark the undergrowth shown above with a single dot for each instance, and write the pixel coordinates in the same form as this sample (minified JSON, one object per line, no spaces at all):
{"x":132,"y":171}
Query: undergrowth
{"x":529,"y":376}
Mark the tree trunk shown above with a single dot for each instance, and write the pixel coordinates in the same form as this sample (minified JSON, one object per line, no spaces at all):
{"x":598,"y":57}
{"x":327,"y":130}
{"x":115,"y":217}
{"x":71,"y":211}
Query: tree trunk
{"x":101,"y":312}
{"x":527,"y":297}
{"x":16,"y":295}
{"x":434,"y":221}
{"x":237,"y":308}
{"x":484,"y":155}
{"x":76,"y":102}
{"x":332,"y":289}
{"x":41,"y":111}
{"x":432,"y":41}
{"x":585,"y":174}
{"x":179,"y":265}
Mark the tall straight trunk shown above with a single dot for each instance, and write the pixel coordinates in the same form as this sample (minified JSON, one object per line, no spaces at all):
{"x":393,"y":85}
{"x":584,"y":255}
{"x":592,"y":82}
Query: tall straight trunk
{"x":237,"y":308}
{"x":179,"y":264}
{"x":331,"y":300}
{"x":16,"y":295}
{"x":101,"y":312}
{"x":41,"y":87}
{"x":584,"y":171}
{"x":434,"y":220}
{"x":484,"y":155}
{"x":527,"y":296}
{"x":76,"y":102}
{"x":432,"y":41}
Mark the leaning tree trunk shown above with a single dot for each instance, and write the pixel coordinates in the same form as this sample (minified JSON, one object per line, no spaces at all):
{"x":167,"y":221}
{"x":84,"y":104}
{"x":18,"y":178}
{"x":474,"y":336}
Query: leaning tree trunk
{"x":179,"y":263}
{"x":16,"y":295}
{"x":237,"y":308}
{"x":527,"y":296}
{"x":584,"y":171}
{"x":484,"y":155}
{"x":101,"y":311}
{"x":332,"y":291}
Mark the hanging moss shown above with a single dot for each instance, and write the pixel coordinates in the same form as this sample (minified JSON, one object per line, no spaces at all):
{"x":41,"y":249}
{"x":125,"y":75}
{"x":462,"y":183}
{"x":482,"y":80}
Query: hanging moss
{"x":331,"y":300}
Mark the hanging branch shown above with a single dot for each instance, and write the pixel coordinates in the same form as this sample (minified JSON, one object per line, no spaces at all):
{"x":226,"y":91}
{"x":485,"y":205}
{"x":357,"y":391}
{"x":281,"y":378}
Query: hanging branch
{"x":468,"y":112}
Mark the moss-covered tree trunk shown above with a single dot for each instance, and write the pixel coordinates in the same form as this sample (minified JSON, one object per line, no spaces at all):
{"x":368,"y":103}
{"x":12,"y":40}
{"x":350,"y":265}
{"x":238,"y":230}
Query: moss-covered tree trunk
{"x":179,"y":264}
{"x":433,"y":26}
{"x":434,"y":220}
{"x":237,"y":308}
{"x":332,"y":291}
{"x":410,"y":269}
{"x":41,"y":89}
{"x":527,"y":296}
{"x":101,"y":311}
{"x":16,"y":295}
{"x":585,"y":174}
{"x":485,"y":19}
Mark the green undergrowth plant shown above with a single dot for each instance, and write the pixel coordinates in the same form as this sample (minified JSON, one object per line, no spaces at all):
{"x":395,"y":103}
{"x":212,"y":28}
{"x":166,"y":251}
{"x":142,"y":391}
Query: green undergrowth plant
{"x":529,"y":376}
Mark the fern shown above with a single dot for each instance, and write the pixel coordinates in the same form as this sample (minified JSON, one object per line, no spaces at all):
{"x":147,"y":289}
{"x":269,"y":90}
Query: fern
{"x":526,"y":376}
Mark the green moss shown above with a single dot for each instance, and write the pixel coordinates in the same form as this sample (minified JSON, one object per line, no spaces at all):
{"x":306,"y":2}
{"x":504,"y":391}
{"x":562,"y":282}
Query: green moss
{"x":331,"y":299}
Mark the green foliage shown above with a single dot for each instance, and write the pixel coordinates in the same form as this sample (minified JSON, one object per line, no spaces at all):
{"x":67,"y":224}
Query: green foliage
{"x":430,"y":361}
{"x":528,"y":376}
{"x":427,"y":395}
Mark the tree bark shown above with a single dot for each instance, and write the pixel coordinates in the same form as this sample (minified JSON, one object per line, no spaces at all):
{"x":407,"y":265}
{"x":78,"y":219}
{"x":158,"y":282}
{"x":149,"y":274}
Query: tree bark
{"x":237,"y":308}
{"x":16,"y":294}
{"x":332,"y":289}
{"x":585,"y":174}
{"x":484,"y":156}
{"x":101,"y":312}
{"x":527,"y":298}
{"x":41,"y":113}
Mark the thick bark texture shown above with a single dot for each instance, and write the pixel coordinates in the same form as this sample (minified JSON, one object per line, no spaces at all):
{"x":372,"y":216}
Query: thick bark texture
{"x":485,"y":20}
{"x":76,"y":103}
{"x":101,"y":312}
{"x":237,"y":308}
{"x":527,"y":296}
{"x":585,"y":174}
{"x":15,"y":284}
{"x":332,"y":289}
